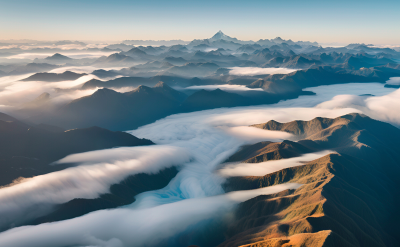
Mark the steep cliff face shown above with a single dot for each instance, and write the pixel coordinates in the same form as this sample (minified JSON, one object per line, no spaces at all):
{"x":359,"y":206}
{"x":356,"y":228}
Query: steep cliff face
{"x":348,"y":198}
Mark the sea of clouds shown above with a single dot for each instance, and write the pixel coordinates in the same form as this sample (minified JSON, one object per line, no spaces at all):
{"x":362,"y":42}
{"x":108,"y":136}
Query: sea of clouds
{"x":198,"y":142}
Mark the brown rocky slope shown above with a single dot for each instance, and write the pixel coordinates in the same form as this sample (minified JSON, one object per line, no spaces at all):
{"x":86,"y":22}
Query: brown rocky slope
{"x":347,"y":199}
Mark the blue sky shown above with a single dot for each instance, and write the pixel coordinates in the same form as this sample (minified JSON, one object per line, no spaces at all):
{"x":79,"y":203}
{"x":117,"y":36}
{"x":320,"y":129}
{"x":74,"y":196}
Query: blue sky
{"x":324,"y":21}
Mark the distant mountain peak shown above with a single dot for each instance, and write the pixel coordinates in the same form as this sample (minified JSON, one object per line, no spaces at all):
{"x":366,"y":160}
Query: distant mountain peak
{"x":58,"y":56}
{"x":39,"y":101}
{"x":142,"y":89}
{"x":104,"y":91}
{"x":44,"y":96}
{"x":220,"y":35}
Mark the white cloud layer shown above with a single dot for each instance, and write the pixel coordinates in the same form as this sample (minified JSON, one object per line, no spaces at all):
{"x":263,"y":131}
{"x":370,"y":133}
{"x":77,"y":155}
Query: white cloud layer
{"x":97,"y":172}
{"x":225,"y":87}
{"x":384,"y":108}
{"x":393,"y":81}
{"x":74,"y":55}
{"x":263,"y":168}
{"x":14,"y":93}
{"x":131,"y":227}
{"x":250,"y":71}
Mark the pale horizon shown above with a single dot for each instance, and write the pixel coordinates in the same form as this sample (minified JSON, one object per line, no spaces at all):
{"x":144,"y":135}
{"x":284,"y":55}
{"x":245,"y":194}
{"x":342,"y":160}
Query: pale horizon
{"x":112,"y":21}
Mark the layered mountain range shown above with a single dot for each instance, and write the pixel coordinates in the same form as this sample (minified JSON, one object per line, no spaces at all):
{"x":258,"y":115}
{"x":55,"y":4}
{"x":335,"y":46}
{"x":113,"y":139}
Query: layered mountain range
{"x":64,"y":158}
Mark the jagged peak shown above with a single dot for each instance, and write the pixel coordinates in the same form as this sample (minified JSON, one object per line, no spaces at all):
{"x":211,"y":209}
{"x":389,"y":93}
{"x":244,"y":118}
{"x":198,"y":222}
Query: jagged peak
{"x":58,"y":55}
{"x":142,"y":88}
{"x":161,"y":84}
{"x":104,"y":91}
{"x":220,"y":35}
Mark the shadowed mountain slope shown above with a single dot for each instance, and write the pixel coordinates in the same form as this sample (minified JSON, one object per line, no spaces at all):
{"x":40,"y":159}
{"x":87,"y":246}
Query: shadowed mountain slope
{"x":119,"y":111}
{"x":27,"y":150}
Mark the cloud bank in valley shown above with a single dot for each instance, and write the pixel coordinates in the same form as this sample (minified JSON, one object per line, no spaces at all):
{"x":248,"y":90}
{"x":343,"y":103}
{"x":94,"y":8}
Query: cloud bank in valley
{"x":132,"y":227}
{"x":384,"y":108}
{"x":250,"y":71}
{"x":327,"y":92}
{"x":74,"y":55}
{"x":225,"y":87}
{"x":393,"y":81}
{"x":14,"y":93}
{"x":99,"y":170}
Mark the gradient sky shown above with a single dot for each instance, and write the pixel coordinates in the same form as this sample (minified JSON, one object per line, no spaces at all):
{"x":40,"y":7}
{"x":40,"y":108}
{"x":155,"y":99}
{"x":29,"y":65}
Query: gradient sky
{"x":344,"y":21}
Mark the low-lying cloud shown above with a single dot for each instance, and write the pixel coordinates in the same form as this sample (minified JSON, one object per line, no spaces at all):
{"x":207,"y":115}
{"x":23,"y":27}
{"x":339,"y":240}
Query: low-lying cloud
{"x":263,"y":168}
{"x":384,"y":108}
{"x":97,"y":172}
{"x":132,"y":227}
{"x":14,"y":93}
{"x":74,"y":55}
{"x":250,"y":71}
{"x":225,"y":87}
{"x":393,"y":81}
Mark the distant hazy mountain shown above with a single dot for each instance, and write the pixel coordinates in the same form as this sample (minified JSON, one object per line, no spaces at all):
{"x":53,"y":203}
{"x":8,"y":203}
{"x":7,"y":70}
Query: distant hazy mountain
{"x":116,"y":59}
{"x":248,"y":48}
{"x":279,"y":40}
{"x":54,"y":77}
{"x":69,"y":42}
{"x":154,"y":42}
{"x":192,"y":70}
{"x":58,"y":58}
{"x":101,"y":73}
{"x":39,"y":102}
{"x":216,"y":56}
{"x":138,"y":54}
{"x":154,"y":65}
{"x":151,"y":50}
{"x":32,"y":68}
{"x":120,"y":47}
{"x":175,"y":60}
{"x":296,"y":62}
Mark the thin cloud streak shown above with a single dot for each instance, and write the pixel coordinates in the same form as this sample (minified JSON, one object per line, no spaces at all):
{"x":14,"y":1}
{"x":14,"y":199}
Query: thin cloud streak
{"x":263,"y":168}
